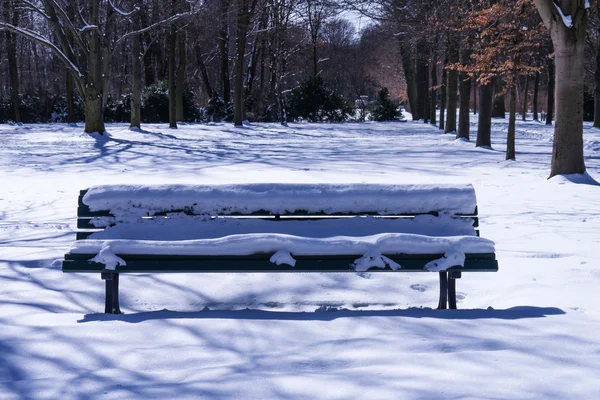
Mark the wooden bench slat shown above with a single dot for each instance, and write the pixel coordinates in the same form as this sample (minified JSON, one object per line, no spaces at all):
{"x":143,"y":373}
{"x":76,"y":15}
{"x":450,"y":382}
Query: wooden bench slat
{"x":228,"y":265}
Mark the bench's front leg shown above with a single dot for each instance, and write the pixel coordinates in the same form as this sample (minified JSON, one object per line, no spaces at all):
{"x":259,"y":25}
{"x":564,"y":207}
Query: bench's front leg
{"x":111,"y":303}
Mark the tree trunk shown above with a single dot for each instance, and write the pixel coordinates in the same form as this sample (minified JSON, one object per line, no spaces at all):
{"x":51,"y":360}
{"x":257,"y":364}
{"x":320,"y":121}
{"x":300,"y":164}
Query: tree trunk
{"x":204,"y":72}
{"x":484,"y":123}
{"x":536,"y":89}
{"x":69,"y":95}
{"x":180,"y":79}
{"x":136,"y":80}
{"x":512,"y":109}
{"x":551,"y":90}
{"x":433,"y":98}
{"x":597,"y":91}
{"x":93,"y":96}
{"x":13,"y":72}
{"x":452,"y":89}
{"x":238,"y":90}
{"x":499,"y":107}
{"x":94,"y":113}
{"x":172,"y":42}
{"x":569,"y":51}
{"x":224,"y":49}
{"x":525,"y":93}
{"x":475,"y":97}
{"x":409,"y":76}
{"x":443,"y":96}
{"x":423,"y":79}
{"x":464,"y":123}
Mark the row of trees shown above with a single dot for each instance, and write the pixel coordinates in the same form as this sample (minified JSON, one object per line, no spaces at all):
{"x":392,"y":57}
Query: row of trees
{"x":250,"y":55}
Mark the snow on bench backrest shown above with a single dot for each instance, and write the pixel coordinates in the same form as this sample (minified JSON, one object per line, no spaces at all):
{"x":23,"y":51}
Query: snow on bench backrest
{"x":130,"y":200}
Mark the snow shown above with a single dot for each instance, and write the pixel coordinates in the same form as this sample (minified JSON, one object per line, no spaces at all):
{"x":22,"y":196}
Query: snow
{"x":567,"y":19}
{"x":107,"y":257}
{"x":374,"y":259}
{"x":388,"y":243}
{"x":528,"y":331}
{"x":281,"y":198}
{"x":452,"y":258}
{"x":283,"y":257}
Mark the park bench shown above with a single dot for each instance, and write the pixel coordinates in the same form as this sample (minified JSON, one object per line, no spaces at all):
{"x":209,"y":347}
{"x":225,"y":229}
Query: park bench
{"x":279,"y":228}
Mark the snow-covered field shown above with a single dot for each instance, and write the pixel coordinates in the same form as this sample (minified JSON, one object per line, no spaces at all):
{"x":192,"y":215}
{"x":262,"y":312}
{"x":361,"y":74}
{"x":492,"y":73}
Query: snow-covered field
{"x":530,"y":331}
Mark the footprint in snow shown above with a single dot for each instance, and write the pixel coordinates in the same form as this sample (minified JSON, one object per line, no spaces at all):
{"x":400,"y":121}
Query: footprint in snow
{"x":419,"y":287}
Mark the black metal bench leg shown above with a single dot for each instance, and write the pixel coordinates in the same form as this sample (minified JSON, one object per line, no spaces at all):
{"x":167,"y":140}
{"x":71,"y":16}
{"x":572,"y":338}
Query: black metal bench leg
{"x":442,"y":305}
{"x":451,"y":292}
{"x":111,"y":303}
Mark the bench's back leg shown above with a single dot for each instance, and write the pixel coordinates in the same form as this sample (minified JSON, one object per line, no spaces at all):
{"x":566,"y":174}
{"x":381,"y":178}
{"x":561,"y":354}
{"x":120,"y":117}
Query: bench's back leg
{"x":111,"y":303}
{"x":452,"y":277}
{"x":442,"y":304}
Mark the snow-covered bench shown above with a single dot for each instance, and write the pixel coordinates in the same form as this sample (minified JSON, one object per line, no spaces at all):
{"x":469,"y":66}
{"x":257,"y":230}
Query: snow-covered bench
{"x":279,"y":228}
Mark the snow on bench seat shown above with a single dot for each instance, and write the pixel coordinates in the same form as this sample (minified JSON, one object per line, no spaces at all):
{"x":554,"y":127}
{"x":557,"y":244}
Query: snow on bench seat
{"x":247,"y":244}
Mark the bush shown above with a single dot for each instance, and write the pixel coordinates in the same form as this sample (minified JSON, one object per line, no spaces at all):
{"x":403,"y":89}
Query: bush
{"x":385,"y":109}
{"x":155,"y":104}
{"x":118,"y":110}
{"x":314,"y":102}
{"x":218,"y":110}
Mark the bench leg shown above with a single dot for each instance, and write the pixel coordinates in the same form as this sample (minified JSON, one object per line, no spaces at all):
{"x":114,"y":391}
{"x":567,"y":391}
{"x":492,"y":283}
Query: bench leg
{"x":442,"y":304}
{"x":452,"y":277}
{"x":111,"y":303}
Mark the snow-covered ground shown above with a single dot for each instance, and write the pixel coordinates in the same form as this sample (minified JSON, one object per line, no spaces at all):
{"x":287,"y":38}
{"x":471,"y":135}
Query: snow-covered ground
{"x":529,"y":331}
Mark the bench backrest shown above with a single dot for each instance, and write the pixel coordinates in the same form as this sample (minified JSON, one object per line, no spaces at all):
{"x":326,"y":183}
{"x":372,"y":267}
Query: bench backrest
{"x":107,"y":205}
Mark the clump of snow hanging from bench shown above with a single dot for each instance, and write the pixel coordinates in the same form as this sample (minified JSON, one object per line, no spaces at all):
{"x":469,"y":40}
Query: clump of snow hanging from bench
{"x":452,"y":258}
{"x":107,"y":257}
{"x":374,"y":258}
{"x":385,"y":243}
{"x":283,"y":257}
{"x":126,"y":201}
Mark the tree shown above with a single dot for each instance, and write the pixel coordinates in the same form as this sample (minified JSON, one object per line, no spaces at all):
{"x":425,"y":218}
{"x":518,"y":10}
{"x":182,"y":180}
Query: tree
{"x":86,"y":42}
{"x":385,"y":109}
{"x":567,"y":21}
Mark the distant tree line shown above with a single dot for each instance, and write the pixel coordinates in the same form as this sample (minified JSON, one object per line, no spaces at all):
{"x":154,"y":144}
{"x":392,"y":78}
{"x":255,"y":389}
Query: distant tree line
{"x":286,"y":60}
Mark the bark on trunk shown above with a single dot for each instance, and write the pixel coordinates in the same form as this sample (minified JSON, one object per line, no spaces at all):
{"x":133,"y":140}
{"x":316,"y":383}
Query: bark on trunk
{"x":512,"y":118}
{"x":433,"y":98}
{"x":69,"y":95}
{"x":551,"y":91}
{"x":11,"y":50}
{"x":204,"y":72}
{"x":567,"y":152}
{"x":224,"y":49}
{"x":136,"y":81}
{"x":597,"y":91}
{"x":484,"y":123}
{"x":172,"y":42}
{"x":238,"y":90}
{"x":443,"y":97}
{"x":94,"y":102}
{"x":180,"y":79}
{"x":536,"y":89}
{"x":475,"y":88}
{"x":452,"y":88}
{"x":464,"y":123}
{"x":409,"y":76}
{"x":525,"y":93}
{"x":499,"y":107}
{"x":423,"y":79}
{"x":94,"y":113}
